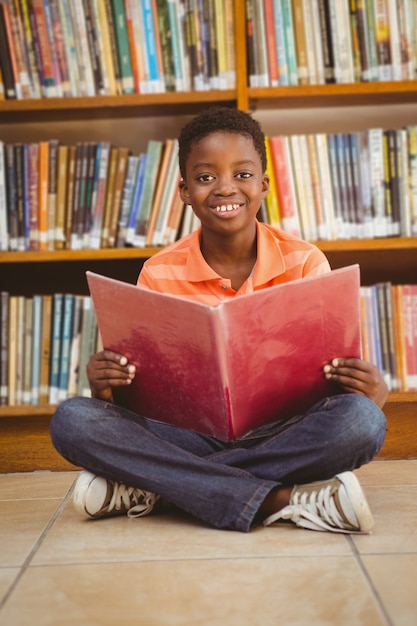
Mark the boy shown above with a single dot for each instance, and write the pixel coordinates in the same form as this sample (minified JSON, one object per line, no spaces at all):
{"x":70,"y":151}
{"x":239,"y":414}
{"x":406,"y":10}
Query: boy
{"x":299,"y":469}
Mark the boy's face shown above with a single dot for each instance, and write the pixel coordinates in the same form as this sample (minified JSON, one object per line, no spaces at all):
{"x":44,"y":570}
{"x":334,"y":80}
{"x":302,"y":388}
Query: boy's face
{"x":224,"y":182}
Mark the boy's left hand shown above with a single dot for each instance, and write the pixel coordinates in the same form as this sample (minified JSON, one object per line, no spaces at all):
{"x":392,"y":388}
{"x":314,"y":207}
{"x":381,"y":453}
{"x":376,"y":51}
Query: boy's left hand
{"x":357,"y":376}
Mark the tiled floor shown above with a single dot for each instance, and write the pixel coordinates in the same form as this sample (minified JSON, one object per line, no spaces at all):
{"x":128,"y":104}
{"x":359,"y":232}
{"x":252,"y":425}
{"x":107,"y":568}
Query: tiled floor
{"x":56,"y":569}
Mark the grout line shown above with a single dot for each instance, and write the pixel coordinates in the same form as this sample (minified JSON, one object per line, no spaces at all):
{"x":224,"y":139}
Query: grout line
{"x":358,"y":557}
{"x":36,"y":547}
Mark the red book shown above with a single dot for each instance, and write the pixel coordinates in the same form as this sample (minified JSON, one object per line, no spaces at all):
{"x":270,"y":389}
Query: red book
{"x":228,"y":369}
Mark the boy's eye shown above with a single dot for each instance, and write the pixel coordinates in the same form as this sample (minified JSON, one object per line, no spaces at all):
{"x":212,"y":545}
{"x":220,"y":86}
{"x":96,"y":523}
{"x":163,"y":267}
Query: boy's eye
{"x":205,"y":178}
{"x":244,"y":175}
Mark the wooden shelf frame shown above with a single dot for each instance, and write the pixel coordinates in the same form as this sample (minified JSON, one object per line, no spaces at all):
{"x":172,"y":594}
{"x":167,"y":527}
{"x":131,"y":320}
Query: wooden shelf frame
{"x":24,"y":429}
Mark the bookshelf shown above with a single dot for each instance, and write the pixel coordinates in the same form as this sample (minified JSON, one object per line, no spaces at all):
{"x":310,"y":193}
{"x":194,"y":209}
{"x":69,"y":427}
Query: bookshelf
{"x":24,"y":429}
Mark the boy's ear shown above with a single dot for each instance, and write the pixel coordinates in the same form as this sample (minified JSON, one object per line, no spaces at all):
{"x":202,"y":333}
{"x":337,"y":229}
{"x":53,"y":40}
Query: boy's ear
{"x":183,"y":189}
{"x":265,"y":184}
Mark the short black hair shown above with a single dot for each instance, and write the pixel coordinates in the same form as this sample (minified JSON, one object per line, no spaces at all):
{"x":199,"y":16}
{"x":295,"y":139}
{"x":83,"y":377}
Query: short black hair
{"x":224,"y":120}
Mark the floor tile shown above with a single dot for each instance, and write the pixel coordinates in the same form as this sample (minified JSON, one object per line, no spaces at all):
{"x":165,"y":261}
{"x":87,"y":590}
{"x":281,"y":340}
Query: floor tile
{"x":22,"y":523}
{"x":35,"y":485}
{"x":235,"y":592}
{"x":173,"y":536}
{"x":394,"y":577}
{"x":395,"y":513}
{"x":385,"y":473}
{"x":7,"y":577}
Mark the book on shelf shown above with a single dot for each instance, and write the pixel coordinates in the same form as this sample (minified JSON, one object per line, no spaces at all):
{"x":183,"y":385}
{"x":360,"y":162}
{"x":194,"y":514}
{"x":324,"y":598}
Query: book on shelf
{"x":27,"y":350}
{"x":121,"y":168}
{"x":300,"y":42}
{"x":281,"y":160}
{"x":4,"y":230}
{"x":191,"y":378}
{"x":55,"y":347}
{"x":4,"y":347}
{"x":12,"y":351}
{"x":153,"y":158}
{"x":65,"y":351}
{"x":127,"y":198}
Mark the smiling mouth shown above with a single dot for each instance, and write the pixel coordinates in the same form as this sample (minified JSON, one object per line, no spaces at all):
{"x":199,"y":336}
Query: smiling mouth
{"x":224,"y":208}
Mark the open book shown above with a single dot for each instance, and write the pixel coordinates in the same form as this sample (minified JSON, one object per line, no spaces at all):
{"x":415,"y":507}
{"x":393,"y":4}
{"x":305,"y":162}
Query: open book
{"x":228,"y":369}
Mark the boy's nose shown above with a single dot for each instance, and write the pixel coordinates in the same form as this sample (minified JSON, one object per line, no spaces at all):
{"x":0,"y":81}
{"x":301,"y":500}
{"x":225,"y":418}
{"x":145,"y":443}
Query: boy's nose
{"x":226,"y":186}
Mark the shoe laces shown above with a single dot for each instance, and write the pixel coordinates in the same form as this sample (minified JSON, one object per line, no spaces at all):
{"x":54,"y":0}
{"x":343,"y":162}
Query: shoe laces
{"x":317,"y":504}
{"x":136,"y":502}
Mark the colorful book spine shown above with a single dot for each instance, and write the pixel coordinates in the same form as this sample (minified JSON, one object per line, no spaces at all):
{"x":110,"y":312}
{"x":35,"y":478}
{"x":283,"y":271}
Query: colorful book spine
{"x":123,"y":49}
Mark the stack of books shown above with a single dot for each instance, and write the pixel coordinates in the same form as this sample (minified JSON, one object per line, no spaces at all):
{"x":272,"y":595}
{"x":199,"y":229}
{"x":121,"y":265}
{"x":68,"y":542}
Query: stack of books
{"x":66,"y":48}
{"x":313,"y":42}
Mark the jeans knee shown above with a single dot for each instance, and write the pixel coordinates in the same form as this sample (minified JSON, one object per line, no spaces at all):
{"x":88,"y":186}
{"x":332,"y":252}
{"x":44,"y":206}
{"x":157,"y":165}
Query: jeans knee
{"x":64,"y":424}
{"x":367,"y":427}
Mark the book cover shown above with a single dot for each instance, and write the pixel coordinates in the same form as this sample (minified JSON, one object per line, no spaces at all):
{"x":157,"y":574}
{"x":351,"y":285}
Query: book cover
{"x":45,"y":345}
{"x":190,"y":357}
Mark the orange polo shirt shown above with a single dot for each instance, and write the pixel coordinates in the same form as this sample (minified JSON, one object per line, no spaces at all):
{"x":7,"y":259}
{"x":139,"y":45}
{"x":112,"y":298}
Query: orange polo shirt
{"x":181,"y":270}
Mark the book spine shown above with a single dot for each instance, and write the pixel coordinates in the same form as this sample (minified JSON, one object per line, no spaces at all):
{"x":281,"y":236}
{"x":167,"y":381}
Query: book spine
{"x":65,"y":352}
{"x":19,"y":195}
{"x":55,"y":349}
{"x":376,"y":152}
{"x":310,"y":212}
{"x":12,"y":50}
{"x":36,"y":348}
{"x":105,"y":43}
{"x":34,"y":196}
{"x":363,"y":39}
{"x":285,"y":184}
{"x":382,"y":33}
{"x":27,"y":352}
{"x":130,"y":182}
{"x":372,"y":39}
{"x":300,"y":42}
{"x":94,"y":47}
{"x":83,"y":53}
{"x":113,"y":46}
{"x":32,"y":61}
{"x":177,"y":56}
{"x":271,"y":44}
{"x":52,"y":192}
{"x":154,"y":152}
{"x":12,"y":217}
{"x":290,"y":44}
{"x":87,"y":345}
{"x":327,"y":42}
{"x":99,"y":193}
{"x":120,"y":177}
{"x":4,"y":347}
{"x":88,"y":196}
{"x":354,"y":36}
{"x":5,"y":58}
{"x":50,"y":89}
{"x":138,"y":190}
{"x":58,"y":34}
{"x":19,"y":41}
{"x":4,"y":231}
{"x":61,"y":196}
{"x":412,"y":169}
{"x":69,"y":47}
{"x":123,"y":50}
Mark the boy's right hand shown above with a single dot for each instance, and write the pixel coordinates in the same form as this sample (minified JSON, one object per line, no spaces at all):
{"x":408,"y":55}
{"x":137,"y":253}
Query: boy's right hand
{"x":106,"y":370}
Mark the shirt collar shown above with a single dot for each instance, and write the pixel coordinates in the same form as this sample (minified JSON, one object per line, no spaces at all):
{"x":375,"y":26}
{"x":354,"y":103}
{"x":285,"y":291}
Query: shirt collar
{"x":269,"y":263}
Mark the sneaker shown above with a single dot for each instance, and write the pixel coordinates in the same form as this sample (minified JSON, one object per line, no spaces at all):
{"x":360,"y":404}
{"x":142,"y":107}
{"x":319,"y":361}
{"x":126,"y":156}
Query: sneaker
{"x":337,"y":505}
{"x":96,"y":497}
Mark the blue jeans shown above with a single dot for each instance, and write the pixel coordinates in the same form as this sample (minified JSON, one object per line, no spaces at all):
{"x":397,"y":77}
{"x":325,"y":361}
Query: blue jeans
{"x":221,"y":483}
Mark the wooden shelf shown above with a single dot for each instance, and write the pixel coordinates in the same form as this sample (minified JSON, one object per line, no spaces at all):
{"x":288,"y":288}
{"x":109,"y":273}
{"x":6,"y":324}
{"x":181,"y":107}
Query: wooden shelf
{"x":54,"y":256}
{"x":107,"y":107}
{"x":335,"y":95}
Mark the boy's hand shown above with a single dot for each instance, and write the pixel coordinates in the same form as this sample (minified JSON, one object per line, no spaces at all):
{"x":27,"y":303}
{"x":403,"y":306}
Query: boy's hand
{"x":357,"y":376}
{"x":108,"y":369}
